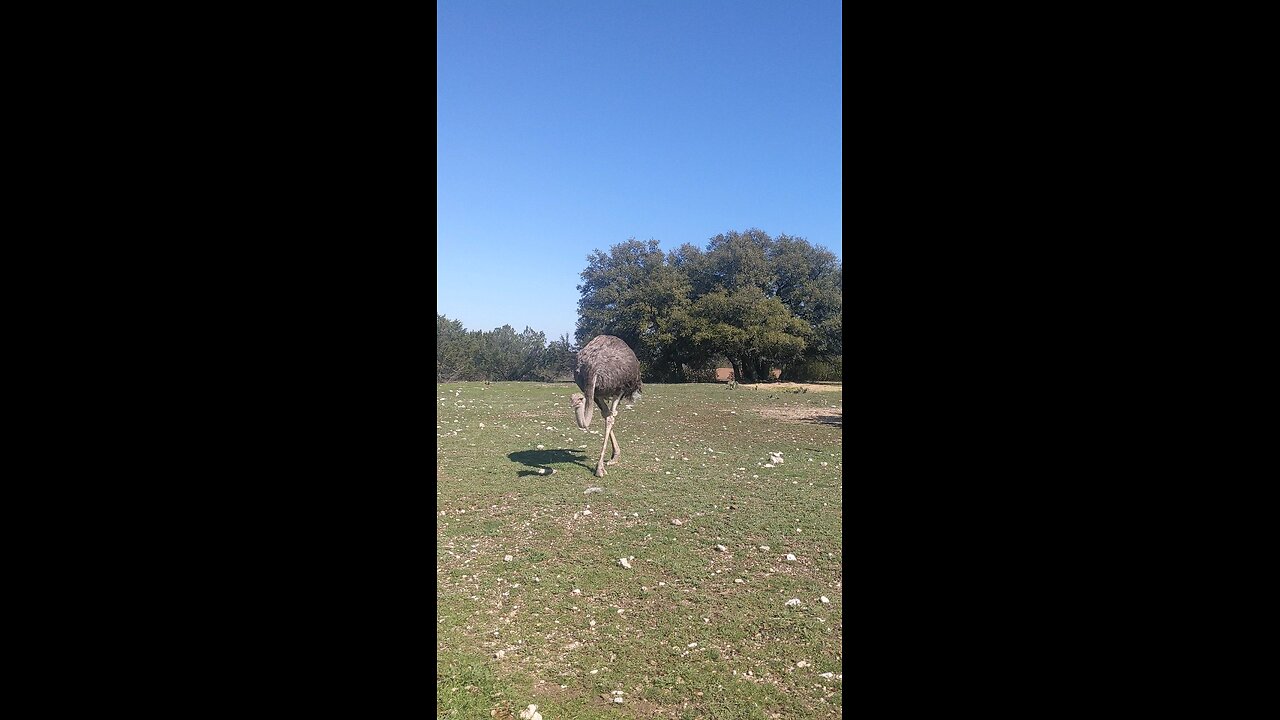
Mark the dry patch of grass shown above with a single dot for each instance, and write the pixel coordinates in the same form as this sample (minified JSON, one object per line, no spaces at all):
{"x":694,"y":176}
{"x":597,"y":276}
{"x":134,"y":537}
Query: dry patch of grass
{"x":791,"y":386}
{"x":831,"y":416}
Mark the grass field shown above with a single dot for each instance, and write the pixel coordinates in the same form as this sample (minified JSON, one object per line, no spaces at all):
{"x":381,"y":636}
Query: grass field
{"x":690,"y":630}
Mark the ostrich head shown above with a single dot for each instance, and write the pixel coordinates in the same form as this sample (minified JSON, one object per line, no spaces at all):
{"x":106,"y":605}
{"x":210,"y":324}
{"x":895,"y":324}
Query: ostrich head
{"x":579,"y":401}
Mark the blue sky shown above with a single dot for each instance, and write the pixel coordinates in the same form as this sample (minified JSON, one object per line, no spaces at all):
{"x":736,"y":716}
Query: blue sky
{"x":567,"y":126}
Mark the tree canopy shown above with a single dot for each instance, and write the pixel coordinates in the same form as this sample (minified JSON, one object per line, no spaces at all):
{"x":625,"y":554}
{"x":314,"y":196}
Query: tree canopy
{"x":754,"y":301}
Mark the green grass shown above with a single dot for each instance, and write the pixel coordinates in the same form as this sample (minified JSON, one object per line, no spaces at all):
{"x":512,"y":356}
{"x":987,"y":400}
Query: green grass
{"x":692,"y":452}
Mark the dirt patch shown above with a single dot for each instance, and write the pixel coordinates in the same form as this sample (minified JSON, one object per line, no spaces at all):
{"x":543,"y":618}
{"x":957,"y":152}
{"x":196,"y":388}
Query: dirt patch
{"x":823,"y":416}
{"x":644,"y":708}
{"x":811,"y":387}
{"x":552,"y":691}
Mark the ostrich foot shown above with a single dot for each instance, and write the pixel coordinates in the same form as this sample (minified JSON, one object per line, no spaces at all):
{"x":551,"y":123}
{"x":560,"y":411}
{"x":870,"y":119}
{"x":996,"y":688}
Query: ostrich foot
{"x":600,"y":471}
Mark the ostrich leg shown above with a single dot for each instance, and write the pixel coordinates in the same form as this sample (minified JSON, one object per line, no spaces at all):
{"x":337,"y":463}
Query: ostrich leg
{"x":617,"y":451}
{"x":608,"y":432}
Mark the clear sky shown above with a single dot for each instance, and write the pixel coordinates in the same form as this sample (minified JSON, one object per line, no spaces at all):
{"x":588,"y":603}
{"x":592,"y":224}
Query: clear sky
{"x":566,"y":126}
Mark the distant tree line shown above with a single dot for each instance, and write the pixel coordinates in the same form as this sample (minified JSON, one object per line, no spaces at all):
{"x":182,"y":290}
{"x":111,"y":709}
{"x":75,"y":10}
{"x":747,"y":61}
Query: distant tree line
{"x":500,"y":354}
{"x":748,"y":300}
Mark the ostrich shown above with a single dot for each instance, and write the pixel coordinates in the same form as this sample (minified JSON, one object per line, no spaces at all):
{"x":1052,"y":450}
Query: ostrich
{"x":607,"y":371}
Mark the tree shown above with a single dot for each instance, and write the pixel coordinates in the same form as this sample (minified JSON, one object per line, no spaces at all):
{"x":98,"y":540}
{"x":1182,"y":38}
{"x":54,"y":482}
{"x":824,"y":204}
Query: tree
{"x":734,"y":261}
{"x":455,"y":350}
{"x":559,"y":360}
{"x":505,"y":355}
{"x":809,"y":281}
{"x":759,"y":301}
{"x":633,"y":293}
{"x":754,"y":331}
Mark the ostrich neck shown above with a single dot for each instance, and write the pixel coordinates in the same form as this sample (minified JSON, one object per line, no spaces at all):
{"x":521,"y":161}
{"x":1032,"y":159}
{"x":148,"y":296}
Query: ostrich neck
{"x":588,"y":402}
{"x":584,"y":412}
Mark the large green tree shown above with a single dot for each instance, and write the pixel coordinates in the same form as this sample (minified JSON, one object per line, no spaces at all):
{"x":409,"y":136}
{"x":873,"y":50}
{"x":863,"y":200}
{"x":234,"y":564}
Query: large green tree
{"x":635,"y":294}
{"x":809,"y":281}
{"x":754,"y":331}
{"x":761,"y":302}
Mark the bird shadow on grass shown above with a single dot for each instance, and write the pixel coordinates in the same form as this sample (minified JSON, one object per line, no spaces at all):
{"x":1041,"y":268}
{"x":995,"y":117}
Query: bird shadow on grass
{"x":544,"y":458}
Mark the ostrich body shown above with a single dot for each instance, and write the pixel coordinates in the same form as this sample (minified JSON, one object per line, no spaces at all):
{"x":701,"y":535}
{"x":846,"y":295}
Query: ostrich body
{"x":607,"y":371}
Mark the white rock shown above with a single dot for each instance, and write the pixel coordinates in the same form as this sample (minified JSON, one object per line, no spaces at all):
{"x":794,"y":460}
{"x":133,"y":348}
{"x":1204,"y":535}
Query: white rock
{"x":590,"y":490}
{"x":618,"y":700}
{"x":722,"y":548}
{"x":802,"y":663}
{"x":530,"y":713}
{"x":541,"y":447}
{"x":693,"y":645}
{"x":793,"y":602}
{"x":500,"y":654}
{"x":661,"y":584}
{"x":824,"y":599}
{"x":481,"y":424}
{"x":507,"y":558}
{"x":791,"y":557}
{"x":624,"y":563}
{"x":576,"y":591}
{"x":617,"y":692}
{"x":739,"y":581}
{"x":677,"y":521}
{"x":586,"y":512}
{"x":764,"y":547}
{"x":768,"y":465}
{"x":827,"y":675}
